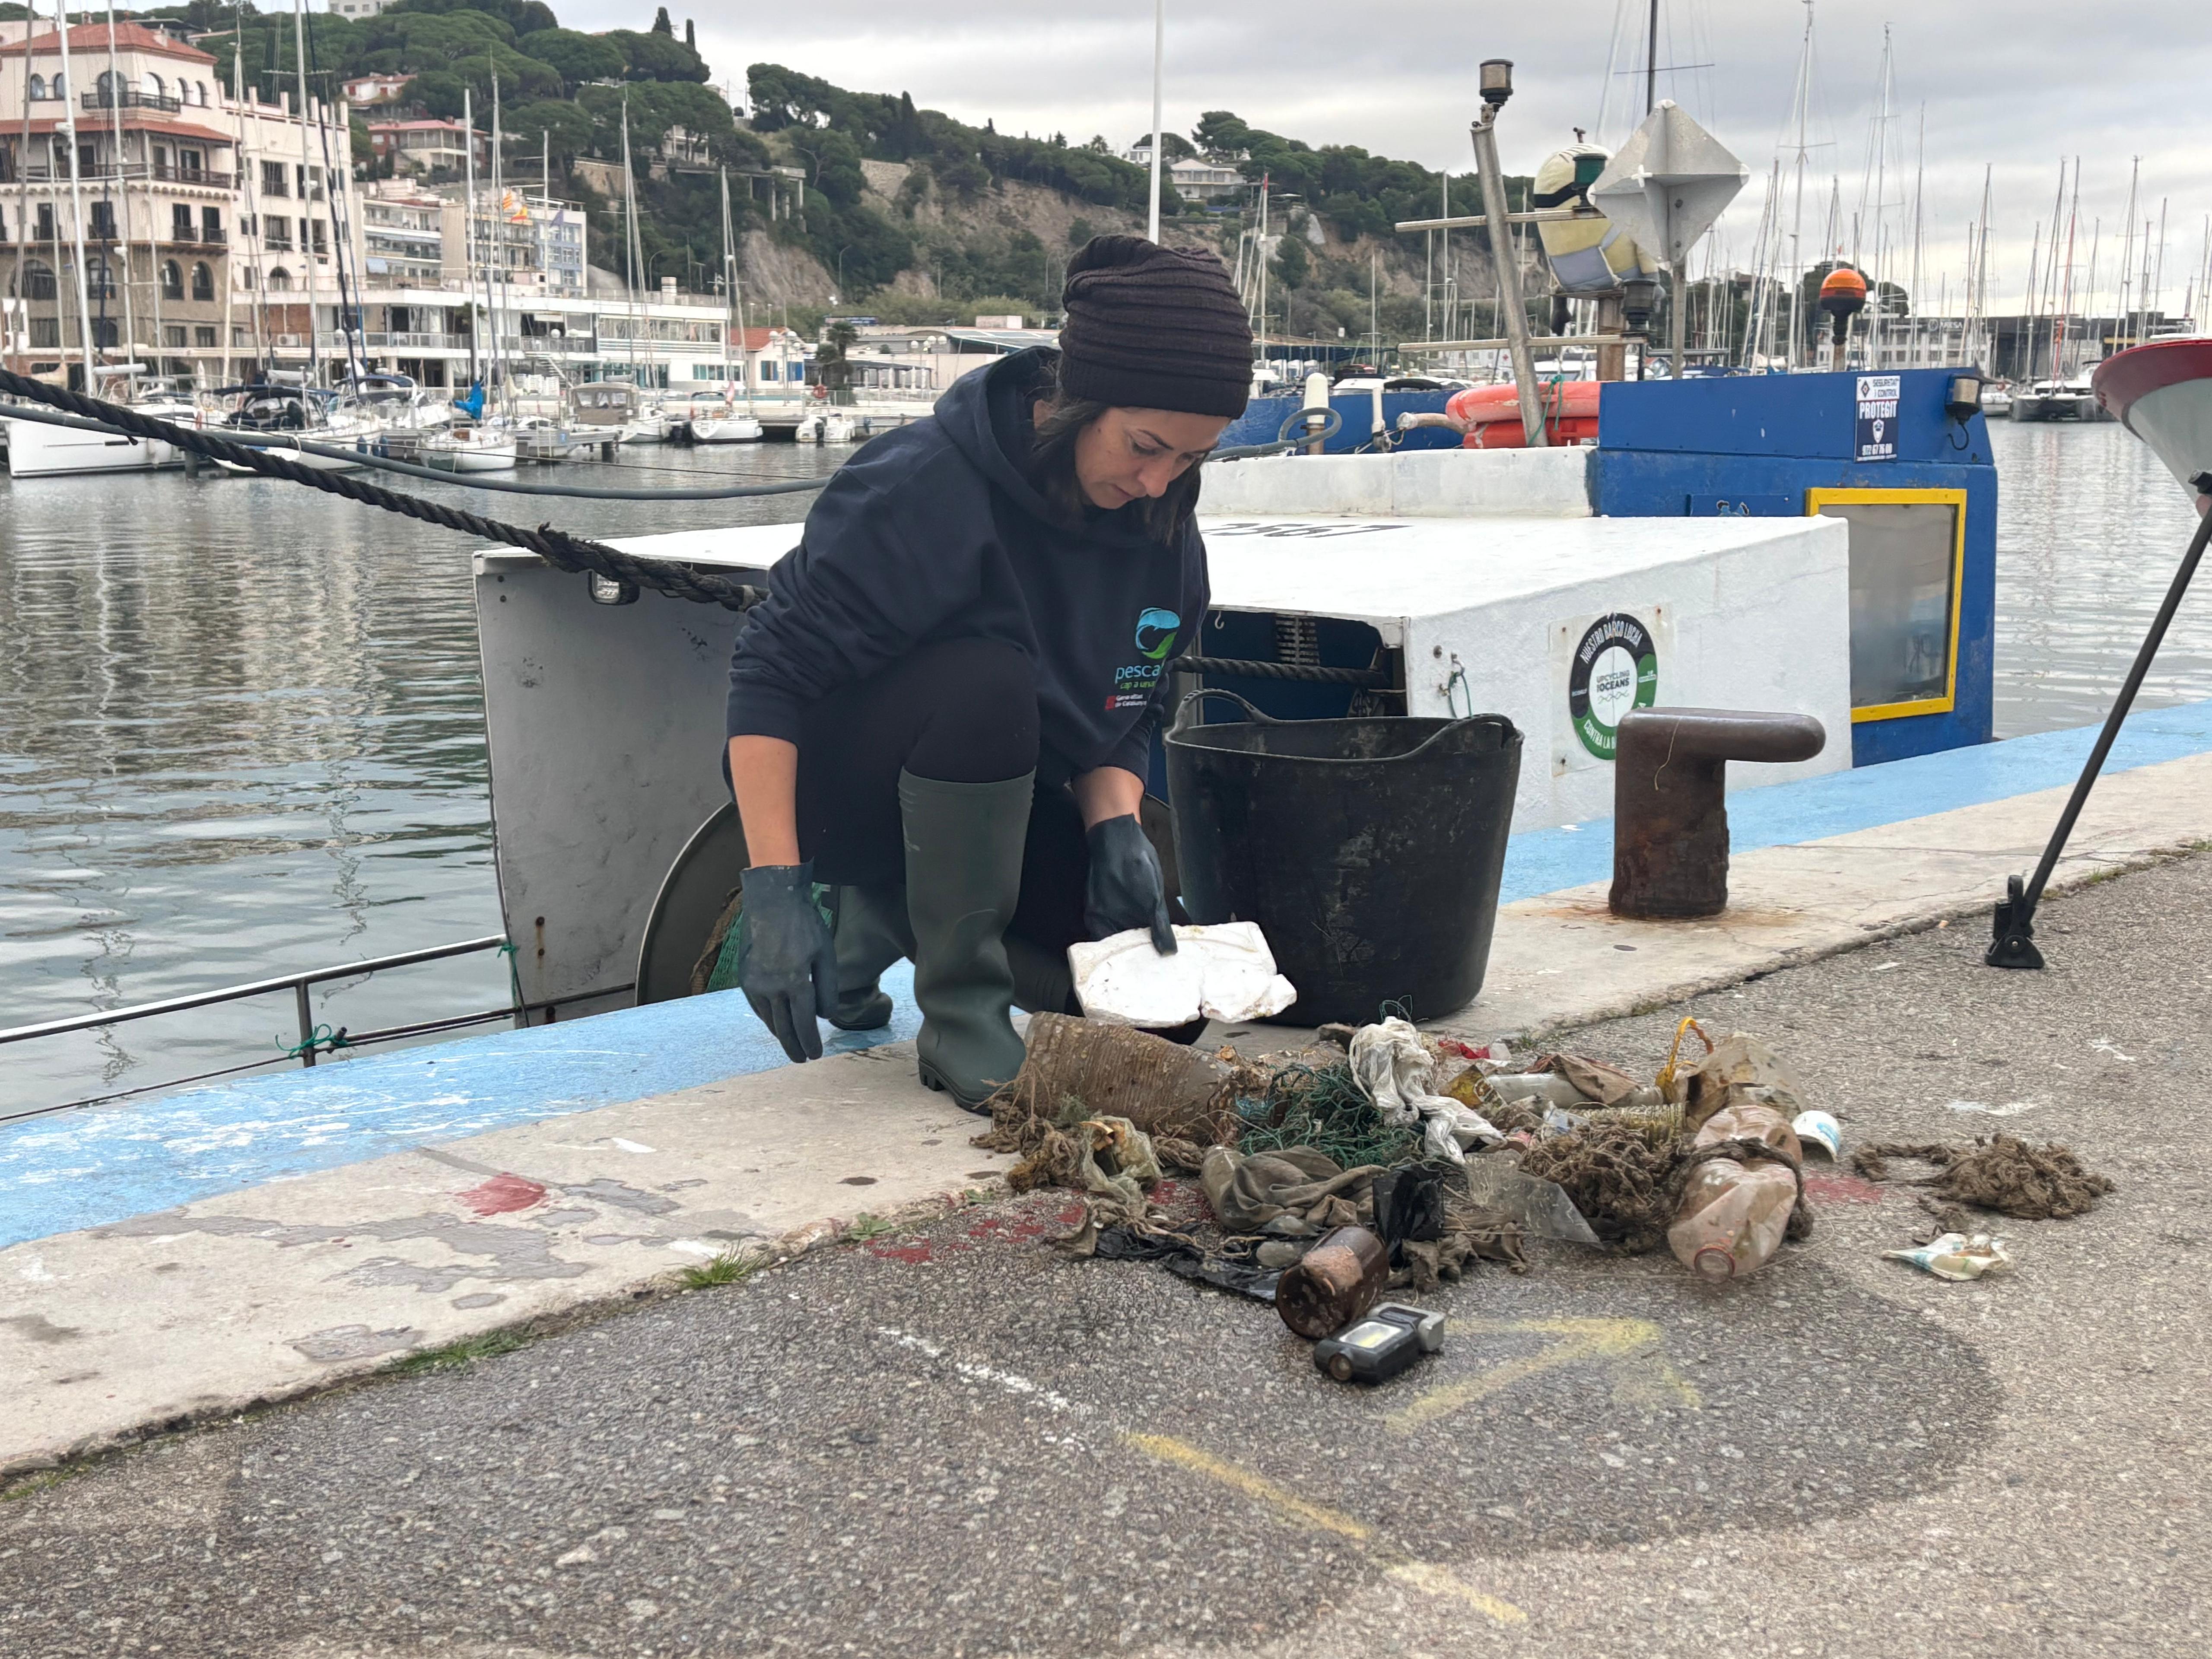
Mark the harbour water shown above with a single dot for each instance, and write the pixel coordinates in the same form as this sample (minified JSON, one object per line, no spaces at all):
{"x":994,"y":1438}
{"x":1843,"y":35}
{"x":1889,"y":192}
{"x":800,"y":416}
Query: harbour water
{"x":241,"y":726}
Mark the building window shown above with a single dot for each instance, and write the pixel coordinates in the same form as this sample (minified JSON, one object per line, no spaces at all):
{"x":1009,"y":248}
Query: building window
{"x":103,"y":221}
{"x":99,"y":280}
{"x":210,"y":225}
{"x":202,"y":282}
{"x":245,"y":276}
{"x":173,"y":335}
{"x":276,"y":231}
{"x":155,"y":85}
{"x":317,"y":228}
{"x":46,"y":231}
{"x":280,"y":279}
{"x":172,"y":283}
{"x":38,"y":89}
{"x":180,"y":222}
{"x":275,"y":181}
{"x":203,"y":335}
{"x":38,"y":280}
{"x":46,"y":331}
{"x":104,"y":332}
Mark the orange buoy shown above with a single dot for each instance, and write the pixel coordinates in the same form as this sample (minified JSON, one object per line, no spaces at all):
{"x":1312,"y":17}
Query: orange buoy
{"x":1842,"y":297}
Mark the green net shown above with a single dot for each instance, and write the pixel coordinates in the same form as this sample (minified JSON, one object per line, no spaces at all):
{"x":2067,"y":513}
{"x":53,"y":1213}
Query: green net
{"x":1322,"y":1106}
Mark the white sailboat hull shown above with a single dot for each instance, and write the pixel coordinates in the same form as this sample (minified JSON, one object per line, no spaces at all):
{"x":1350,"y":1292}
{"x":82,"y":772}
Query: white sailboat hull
{"x":497,"y":455}
{"x":36,"y":450}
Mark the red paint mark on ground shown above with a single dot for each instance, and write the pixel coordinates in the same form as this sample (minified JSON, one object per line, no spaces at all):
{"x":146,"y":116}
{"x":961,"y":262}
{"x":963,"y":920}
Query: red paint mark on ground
{"x":914,"y":1254}
{"x":1842,"y":1189}
{"x":503,"y":1194}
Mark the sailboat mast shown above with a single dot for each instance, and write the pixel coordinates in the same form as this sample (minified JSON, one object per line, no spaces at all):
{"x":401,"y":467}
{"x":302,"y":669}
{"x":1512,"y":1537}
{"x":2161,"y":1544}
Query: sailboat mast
{"x":730,"y":287}
{"x":495,"y":259}
{"x":115,"y":100}
{"x":478,"y":372}
{"x":1798,"y":267}
{"x":76,"y":196}
{"x":306,"y":204}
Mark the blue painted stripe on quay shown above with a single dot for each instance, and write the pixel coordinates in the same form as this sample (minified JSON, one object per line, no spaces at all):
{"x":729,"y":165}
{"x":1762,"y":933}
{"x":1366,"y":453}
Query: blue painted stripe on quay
{"x":85,"y":1169}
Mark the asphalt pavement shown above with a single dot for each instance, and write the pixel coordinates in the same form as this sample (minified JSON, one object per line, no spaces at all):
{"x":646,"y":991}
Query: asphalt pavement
{"x":952,"y":1442}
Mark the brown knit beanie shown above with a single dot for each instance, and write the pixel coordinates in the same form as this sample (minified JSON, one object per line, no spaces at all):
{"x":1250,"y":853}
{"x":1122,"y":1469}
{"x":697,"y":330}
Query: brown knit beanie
{"x":1153,"y":327}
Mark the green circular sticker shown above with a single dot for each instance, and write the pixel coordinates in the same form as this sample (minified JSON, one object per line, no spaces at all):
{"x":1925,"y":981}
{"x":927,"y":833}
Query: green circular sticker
{"x":1616,"y":668}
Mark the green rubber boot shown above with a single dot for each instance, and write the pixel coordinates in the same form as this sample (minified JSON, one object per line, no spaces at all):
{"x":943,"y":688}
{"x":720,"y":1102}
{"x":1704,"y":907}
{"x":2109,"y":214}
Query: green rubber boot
{"x":963,"y":875}
{"x":870,"y":935}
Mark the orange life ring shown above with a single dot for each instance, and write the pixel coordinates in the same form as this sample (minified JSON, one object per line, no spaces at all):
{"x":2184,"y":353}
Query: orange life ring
{"x":1492,"y":413}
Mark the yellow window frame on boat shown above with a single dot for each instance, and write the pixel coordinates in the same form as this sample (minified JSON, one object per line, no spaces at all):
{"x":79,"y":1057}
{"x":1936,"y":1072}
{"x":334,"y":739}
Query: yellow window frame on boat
{"x":1816,"y":498}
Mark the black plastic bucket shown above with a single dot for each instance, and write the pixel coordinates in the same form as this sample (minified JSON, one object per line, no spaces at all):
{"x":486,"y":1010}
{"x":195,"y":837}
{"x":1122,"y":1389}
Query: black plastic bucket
{"x":1369,"y":850}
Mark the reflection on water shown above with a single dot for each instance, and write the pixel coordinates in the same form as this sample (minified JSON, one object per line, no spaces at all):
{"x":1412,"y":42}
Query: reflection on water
{"x":242,"y":733}
{"x":240,"y":729}
{"x":2090,"y":526}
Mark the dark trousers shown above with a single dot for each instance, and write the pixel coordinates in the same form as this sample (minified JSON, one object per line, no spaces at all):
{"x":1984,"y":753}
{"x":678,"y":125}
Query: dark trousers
{"x":963,"y":711}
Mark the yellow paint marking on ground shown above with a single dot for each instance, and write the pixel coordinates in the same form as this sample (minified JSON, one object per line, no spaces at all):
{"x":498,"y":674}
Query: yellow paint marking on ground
{"x":1629,"y":1348}
{"x":1426,"y":1576}
{"x":1289,"y":1505}
{"x":1440,"y":1581}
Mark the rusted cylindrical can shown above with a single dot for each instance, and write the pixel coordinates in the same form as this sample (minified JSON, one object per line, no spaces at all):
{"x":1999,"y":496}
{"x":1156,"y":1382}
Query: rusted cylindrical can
{"x":1339,"y":1280}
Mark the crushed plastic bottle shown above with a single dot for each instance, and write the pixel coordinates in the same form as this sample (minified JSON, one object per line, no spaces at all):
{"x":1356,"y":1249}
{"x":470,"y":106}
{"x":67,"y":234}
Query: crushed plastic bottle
{"x":1733,"y":1215}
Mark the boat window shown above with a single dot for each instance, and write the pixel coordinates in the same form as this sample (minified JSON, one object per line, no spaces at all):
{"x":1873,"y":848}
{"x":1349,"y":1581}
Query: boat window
{"x":1903,"y":591}
{"x":202,"y":282}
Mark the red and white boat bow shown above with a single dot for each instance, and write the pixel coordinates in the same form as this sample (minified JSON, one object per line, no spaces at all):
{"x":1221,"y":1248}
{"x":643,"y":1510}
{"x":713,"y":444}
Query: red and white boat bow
{"x":2162,"y":392}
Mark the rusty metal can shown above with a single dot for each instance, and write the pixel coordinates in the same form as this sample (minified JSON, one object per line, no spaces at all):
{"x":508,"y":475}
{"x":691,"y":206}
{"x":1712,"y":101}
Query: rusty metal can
{"x":1340,"y":1280}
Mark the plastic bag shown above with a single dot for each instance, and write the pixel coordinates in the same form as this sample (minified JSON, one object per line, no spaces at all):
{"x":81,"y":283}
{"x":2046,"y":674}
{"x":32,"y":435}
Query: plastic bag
{"x":1394,"y":1067}
{"x":1956,"y":1257}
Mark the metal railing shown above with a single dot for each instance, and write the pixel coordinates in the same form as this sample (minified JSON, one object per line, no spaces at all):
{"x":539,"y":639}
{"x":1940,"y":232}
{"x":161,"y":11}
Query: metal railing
{"x":177,"y":175}
{"x":132,"y":98}
{"x":315,"y":1039}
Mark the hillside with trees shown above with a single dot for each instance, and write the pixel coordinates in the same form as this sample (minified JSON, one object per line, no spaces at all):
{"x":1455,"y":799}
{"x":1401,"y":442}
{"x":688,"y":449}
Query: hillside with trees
{"x":905,"y":208}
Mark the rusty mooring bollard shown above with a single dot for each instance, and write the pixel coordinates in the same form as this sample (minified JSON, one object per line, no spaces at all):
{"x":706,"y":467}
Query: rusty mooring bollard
{"x":1670,"y":835}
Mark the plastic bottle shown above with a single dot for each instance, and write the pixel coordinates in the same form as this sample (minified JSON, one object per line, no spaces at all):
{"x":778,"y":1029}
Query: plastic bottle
{"x":1732,"y":1214}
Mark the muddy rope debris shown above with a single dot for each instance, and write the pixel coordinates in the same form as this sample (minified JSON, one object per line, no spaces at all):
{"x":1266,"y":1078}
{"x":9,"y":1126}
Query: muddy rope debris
{"x":2002,"y":1173}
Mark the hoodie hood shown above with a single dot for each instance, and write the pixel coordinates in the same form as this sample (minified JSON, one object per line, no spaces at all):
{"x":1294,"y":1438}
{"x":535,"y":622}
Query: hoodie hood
{"x":988,"y":417}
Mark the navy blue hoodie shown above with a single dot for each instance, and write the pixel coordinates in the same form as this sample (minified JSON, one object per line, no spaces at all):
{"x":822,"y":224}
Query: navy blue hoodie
{"x":933,"y":532}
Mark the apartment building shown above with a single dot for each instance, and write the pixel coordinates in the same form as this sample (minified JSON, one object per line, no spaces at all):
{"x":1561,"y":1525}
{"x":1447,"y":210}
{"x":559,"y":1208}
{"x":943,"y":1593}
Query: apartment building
{"x":209,"y":225}
{"x":427,"y":146}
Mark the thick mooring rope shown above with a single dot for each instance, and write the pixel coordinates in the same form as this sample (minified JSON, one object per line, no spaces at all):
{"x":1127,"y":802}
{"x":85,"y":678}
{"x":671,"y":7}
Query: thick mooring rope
{"x":557,"y":547}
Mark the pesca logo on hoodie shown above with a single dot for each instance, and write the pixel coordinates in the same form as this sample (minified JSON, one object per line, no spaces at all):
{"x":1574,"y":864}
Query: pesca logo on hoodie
{"x":1135,"y":683}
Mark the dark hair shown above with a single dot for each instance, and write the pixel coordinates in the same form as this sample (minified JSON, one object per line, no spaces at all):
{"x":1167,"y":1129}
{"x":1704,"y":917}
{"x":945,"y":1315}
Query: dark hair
{"x":1060,"y":419}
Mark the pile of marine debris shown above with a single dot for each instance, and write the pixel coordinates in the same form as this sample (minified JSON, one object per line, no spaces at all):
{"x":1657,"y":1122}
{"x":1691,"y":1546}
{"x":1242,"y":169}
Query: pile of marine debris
{"x":1450,"y":1155}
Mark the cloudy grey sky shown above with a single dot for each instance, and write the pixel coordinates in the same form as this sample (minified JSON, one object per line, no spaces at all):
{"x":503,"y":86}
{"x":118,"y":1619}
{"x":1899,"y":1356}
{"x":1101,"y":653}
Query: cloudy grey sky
{"x":2014,"y":84}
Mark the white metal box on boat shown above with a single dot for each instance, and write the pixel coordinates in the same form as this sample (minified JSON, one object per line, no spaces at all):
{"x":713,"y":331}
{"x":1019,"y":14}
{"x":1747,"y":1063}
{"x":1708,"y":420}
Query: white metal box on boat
{"x":605,"y":721}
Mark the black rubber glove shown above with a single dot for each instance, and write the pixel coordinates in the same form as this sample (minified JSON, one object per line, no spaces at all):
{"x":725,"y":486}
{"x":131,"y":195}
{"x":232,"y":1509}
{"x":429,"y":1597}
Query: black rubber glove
{"x":1125,"y":890}
{"x":787,"y":964}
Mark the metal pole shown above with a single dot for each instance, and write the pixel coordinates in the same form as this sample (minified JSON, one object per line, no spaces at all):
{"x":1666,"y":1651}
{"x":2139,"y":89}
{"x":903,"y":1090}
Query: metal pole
{"x":1651,"y":63}
{"x":1677,"y":314}
{"x":307,"y":1024}
{"x":2013,"y":944}
{"x":1159,"y":143}
{"x":1508,"y":276}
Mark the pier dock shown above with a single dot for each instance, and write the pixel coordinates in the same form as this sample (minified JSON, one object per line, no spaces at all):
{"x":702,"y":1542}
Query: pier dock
{"x":1002,"y":1430}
